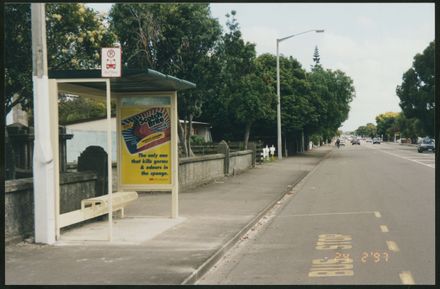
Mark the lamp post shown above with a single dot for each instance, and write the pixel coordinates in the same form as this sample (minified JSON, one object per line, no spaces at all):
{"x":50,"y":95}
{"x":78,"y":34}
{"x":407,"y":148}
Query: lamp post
{"x":280,"y":155}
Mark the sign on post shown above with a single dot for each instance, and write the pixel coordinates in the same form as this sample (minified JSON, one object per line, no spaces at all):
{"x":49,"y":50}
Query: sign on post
{"x":111,"y":62}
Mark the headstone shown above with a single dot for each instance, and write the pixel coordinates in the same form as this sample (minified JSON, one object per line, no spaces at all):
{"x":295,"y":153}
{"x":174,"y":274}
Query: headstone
{"x":94,"y":158}
{"x":252,"y":146}
{"x":223,"y":148}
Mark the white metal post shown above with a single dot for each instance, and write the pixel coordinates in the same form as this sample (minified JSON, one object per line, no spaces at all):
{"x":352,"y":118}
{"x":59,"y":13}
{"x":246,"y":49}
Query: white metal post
{"x":43,"y":165}
{"x":109,"y":161}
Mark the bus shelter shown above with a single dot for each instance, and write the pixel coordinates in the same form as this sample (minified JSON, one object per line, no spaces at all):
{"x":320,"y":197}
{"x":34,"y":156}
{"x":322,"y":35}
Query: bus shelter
{"x":146,"y":140}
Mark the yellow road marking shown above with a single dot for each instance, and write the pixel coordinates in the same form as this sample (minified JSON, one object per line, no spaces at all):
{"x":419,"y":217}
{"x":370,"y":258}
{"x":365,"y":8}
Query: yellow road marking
{"x":392,"y":246}
{"x":406,"y":278}
{"x":384,"y":229}
{"x":377,"y":214}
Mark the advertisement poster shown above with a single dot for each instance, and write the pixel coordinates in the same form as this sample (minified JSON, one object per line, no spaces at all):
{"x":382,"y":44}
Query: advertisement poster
{"x":146,"y":146}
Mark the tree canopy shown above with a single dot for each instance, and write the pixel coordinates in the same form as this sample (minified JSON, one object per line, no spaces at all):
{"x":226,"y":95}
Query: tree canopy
{"x":369,"y":130}
{"x":387,"y":124}
{"x":417,"y":91}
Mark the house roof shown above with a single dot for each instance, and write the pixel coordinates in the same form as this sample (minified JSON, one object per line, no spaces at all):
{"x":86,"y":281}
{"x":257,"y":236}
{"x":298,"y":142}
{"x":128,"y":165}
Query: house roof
{"x":132,"y":80}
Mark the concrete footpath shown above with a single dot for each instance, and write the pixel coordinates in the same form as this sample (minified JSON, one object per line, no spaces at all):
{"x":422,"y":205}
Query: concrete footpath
{"x":151,"y":248}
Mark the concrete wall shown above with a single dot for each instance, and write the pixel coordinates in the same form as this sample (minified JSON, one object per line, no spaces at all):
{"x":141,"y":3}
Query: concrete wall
{"x":74,"y":188}
{"x":240,"y":161}
{"x":19,"y":201}
{"x":198,"y":170}
{"x":19,"y":208}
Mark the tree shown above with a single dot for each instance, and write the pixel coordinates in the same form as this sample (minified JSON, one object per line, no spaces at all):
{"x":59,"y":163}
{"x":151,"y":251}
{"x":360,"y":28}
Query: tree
{"x":409,"y":127}
{"x":177,"y":39}
{"x":315,"y":103}
{"x":75,"y":35}
{"x":251,"y":103}
{"x":316,"y":59}
{"x":248,"y":97}
{"x":73,"y":108}
{"x":361,"y":130}
{"x":331,"y":93}
{"x":387,"y":124}
{"x":367,"y":130}
{"x":17,"y":58}
{"x":416,"y":93}
{"x":241,"y":96}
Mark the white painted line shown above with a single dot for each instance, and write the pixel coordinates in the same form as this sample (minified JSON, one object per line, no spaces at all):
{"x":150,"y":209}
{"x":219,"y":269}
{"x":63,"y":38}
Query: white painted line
{"x":377,"y":214}
{"x":406,"y":278}
{"x":384,"y":229}
{"x":326,"y":214}
{"x":392,"y":246}
{"x":411,"y":160}
{"x":425,"y":161}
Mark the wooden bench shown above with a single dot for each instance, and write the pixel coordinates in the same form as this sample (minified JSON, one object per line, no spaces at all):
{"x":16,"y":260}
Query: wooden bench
{"x":119,"y":201}
{"x":97,"y":206}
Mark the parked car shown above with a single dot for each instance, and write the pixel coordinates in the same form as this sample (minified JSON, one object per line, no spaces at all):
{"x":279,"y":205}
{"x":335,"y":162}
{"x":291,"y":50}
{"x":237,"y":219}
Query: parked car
{"x":355,"y":141}
{"x":426,"y":144}
{"x":376,"y":140}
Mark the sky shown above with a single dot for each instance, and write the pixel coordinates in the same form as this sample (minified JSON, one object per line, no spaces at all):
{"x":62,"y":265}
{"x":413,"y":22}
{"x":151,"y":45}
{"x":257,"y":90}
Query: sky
{"x":373,"y":43}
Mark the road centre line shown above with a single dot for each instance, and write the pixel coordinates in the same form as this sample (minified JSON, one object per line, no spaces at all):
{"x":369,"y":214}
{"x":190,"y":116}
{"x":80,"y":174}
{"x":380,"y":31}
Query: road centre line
{"x":392,"y":246}
{"x":406,"y":278}
{"x":377,"y":214}
{"x":336,"y":213}
{"x":384,"y":228}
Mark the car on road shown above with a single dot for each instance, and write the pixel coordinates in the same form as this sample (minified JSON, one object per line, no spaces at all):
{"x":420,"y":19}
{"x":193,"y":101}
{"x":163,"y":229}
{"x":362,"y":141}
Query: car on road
{"x":376,"y":140}
{"x":342,"y":142}
{"x":355,"y":141}
{"x":368,"y":140}
{"x":426,"y":144}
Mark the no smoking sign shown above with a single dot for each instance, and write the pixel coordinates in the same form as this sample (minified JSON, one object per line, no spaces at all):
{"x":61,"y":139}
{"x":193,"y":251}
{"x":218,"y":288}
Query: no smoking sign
{"x":111,"y":62}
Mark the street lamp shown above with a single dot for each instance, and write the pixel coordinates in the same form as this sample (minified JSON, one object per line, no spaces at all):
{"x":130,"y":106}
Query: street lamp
{"x":280,"y":155}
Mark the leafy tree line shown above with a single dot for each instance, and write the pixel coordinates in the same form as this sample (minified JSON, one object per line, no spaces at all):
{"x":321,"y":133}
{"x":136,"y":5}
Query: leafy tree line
{"x":417,"y":101}
{"x":236,"y":90}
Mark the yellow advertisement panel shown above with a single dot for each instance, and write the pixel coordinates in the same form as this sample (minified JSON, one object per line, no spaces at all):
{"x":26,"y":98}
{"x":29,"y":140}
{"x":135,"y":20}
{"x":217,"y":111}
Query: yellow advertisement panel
{"x":146,"y":146}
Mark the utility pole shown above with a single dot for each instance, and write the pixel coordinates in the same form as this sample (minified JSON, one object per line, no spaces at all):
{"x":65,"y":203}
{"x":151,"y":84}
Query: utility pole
{"x":43,"y":163}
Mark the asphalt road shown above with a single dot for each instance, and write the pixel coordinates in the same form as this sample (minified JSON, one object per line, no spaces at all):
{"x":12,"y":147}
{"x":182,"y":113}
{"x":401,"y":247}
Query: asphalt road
{"x":364,"y":215}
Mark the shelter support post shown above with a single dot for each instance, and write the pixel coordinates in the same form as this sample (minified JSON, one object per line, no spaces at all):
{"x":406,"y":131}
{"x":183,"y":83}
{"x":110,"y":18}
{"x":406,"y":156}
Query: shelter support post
{"x":109,"y":160}
{"x":175,"y":160}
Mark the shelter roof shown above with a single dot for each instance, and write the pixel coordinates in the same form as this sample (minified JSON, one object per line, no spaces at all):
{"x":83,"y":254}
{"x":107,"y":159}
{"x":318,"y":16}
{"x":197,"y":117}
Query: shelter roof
{"x":132,"y":80}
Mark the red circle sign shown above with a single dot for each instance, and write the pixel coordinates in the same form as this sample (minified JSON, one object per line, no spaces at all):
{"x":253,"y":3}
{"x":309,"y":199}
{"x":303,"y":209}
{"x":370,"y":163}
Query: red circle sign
{"x":111,"y":53}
